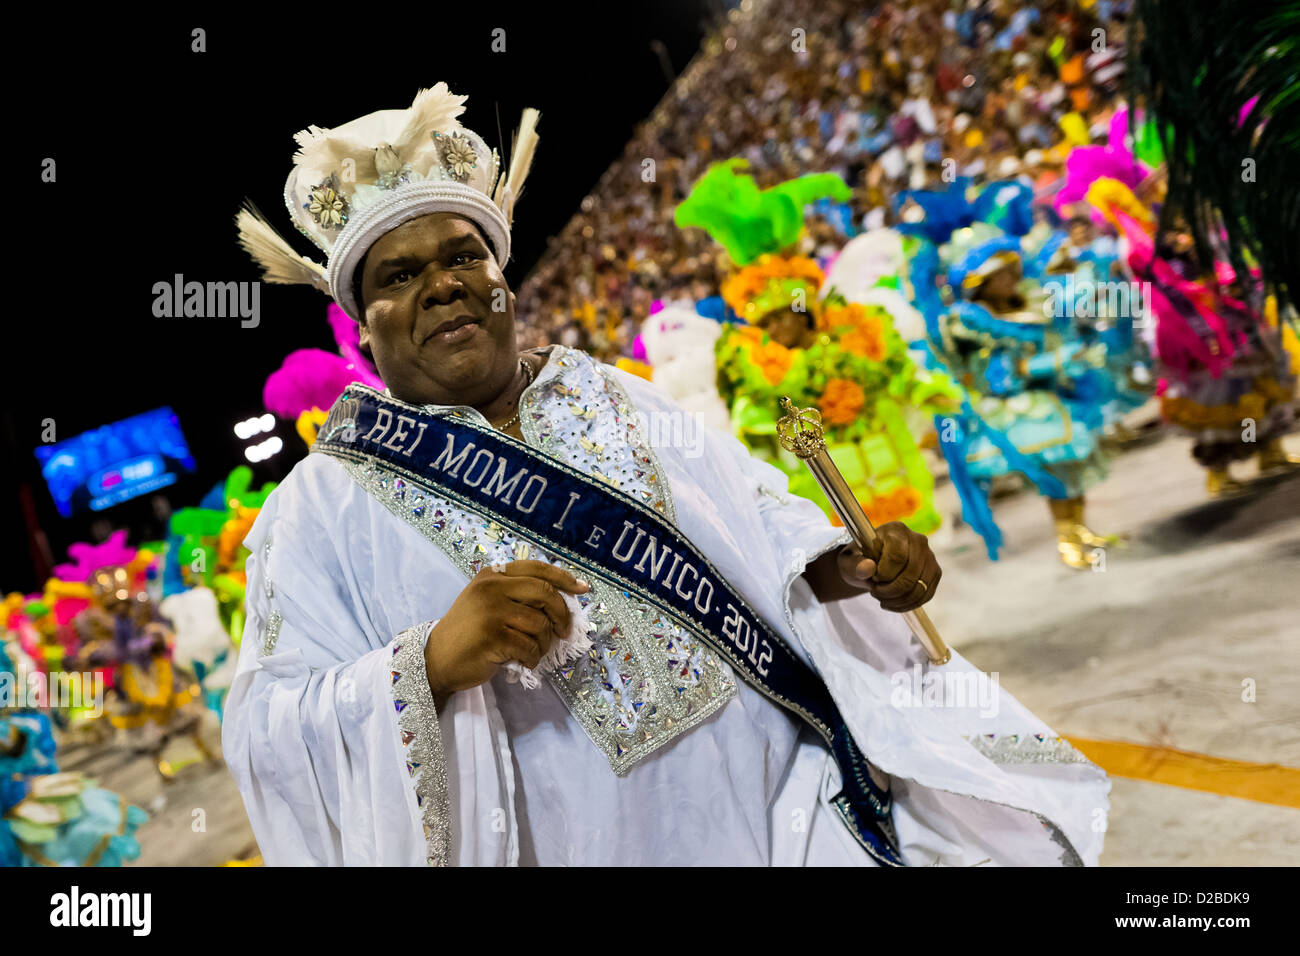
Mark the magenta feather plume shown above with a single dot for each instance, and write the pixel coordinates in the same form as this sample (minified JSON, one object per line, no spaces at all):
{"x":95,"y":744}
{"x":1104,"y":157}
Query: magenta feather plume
{"x":66,"y":609}
{"x":1087,"y":164}
{"x":89,"y":558}
{"x":347,"y":336}
{"x":308,"y":378}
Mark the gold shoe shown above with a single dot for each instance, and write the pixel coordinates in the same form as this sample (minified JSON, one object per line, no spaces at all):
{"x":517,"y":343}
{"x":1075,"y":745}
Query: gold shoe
{"x":1085,"y":536}
{"x":1220,"y":484}
{"x":1074,"y":552}
{"x":1073,"y":555}
{"x":1073,"y":512}
{"x":1274,"y":458}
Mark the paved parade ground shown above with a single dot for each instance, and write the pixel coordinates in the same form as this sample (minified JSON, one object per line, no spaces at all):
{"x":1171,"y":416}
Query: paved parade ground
{"x":1174,"y":668}
{"x":1159,"y":649}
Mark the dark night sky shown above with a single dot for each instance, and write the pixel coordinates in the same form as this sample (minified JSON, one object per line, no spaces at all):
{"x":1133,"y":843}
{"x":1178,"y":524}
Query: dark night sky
{"x":156,"y":146}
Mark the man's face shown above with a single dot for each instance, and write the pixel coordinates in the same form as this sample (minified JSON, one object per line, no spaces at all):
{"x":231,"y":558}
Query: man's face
{"x":1080,"y":234}
{"x":439,"y":318}
{"x":1002,"y":284}
{"x":786,"y":327}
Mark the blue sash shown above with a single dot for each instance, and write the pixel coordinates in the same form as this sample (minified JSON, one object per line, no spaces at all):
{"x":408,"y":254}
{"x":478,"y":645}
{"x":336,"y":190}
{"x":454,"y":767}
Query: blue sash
{"x":614,"y":537}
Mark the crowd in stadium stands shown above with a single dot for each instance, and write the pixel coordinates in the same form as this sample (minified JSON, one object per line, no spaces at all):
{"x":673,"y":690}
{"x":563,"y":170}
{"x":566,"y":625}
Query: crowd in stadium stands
{"x":890,"y":95}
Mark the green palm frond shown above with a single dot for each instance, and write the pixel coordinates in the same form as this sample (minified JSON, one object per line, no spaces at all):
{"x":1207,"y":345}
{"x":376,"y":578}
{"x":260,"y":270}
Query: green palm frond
{"x":1195,"y":64}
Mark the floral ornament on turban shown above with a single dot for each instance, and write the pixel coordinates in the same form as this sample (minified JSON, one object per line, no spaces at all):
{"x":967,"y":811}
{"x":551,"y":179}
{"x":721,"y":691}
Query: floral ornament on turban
{"x":352,"y":184}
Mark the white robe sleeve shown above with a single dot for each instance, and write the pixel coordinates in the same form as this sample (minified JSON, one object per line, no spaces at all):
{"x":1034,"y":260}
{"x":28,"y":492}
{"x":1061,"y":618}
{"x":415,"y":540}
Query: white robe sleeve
{"x":1065,"y":796}
{"x":957,"y":803}
{"x":331,"y":731}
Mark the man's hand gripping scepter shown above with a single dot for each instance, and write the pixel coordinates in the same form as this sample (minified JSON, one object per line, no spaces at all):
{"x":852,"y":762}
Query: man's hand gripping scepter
{"x":800,"y":432}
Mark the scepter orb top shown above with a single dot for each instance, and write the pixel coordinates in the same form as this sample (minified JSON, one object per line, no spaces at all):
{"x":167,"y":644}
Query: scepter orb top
{"x":800,"y":430}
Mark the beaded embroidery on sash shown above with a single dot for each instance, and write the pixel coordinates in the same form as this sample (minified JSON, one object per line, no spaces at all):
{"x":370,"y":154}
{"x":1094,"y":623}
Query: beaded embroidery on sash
{"x":647,"y":678}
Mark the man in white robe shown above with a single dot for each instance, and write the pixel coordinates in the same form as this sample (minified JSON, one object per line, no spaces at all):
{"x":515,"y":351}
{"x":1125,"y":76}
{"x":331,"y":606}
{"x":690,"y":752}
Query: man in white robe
{"x":351,"y":728}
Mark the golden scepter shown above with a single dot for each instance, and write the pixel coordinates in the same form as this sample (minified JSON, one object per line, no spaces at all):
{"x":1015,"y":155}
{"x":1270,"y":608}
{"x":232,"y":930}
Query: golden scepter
{"x":800,"y":432}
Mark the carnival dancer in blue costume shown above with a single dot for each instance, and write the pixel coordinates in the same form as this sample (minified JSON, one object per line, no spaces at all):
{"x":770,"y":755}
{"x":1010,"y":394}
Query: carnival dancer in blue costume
{"x":1035,"y":407}
{"x":48,"y":818}
{"x":1096,"y":303}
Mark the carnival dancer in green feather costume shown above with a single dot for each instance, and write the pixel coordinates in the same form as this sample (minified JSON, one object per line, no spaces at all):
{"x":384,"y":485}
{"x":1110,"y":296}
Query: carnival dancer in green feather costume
{"x":843,"y":358}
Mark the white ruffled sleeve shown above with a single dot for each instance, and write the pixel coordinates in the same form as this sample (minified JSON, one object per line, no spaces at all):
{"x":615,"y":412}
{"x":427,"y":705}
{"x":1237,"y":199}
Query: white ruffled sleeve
{"x":336,"y":748}
{"x":1039,"y":804}
{"x":330,"y":727}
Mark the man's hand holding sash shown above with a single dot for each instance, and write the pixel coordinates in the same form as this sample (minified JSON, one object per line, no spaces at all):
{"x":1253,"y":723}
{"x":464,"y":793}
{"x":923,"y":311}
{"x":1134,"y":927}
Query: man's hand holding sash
{"x":514,"y":615}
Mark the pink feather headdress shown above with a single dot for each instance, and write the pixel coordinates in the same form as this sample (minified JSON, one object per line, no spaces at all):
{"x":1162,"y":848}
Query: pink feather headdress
{"x":314,"y":378}
{"x":89,"y":558}
{"x":308,"y":378}
{"x":1087,"y":164}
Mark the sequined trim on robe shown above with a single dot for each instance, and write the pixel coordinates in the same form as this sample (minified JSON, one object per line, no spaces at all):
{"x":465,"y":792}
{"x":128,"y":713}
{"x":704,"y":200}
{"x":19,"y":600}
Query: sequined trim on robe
{"x":1034,"y":748}
{"x":271,"y":630}
{"x":1069,"y":855}
{"x":1026,"y":748}
{"x":266,"y":569}
{"x":271,"y":633}
{"x":417,"y":722}
{"x":580,"y":415}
